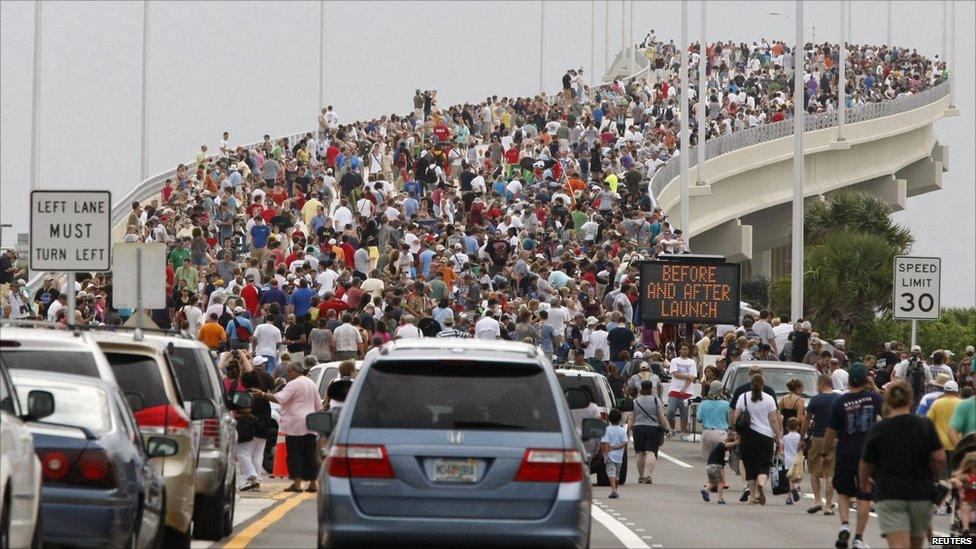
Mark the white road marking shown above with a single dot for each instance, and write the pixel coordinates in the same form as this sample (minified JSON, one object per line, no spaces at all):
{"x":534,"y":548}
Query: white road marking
{"x":621,"y":532}
{"x":674,"y":460}
{"x":245,"y":509}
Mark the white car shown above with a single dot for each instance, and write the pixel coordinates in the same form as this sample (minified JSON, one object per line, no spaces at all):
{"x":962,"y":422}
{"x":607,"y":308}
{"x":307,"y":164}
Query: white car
{"x":20,"y":473}
{"x":593,"y":383}
{"x":324,"y":373}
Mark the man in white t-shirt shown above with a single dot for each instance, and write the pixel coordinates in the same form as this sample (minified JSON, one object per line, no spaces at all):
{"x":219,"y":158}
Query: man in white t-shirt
{"x":487,"y":327}
{"x":265,"y":341}
{"x":839,"y":376}
{"x":684,"y":372}
{"x":408,"y":330}
{"x":326,"y":279}
{"x":781,"y":333}
{"x":558,"y":315}
{"x":764,"y":330}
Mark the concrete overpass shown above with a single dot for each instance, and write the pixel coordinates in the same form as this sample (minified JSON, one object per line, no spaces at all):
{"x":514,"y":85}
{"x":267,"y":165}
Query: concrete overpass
{"x":743,"y":209}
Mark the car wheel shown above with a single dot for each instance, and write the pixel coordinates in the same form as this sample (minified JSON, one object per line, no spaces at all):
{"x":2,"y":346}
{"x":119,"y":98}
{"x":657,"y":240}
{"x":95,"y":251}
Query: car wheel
{"x":232,"y":504}
{"x":209,"y":515}
{"x":173,"y":538}
{"x":5,"y":522}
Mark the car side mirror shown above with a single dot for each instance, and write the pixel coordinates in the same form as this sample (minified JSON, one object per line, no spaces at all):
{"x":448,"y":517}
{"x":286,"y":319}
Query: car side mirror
{"x":161,"y":447}
{"x":593,"y":428}
{"x":136,"y":402}
{"x":577,"y":399}
{"x":40,"y":404}
{"x":625,"y":405}
{"x":202,"y":408}
{"x":319,"y":422}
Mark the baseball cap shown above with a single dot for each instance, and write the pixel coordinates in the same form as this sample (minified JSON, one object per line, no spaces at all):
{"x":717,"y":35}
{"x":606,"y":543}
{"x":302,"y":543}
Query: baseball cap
{"x":258,"y":360}
{"x":714,"y":387}
{"x":858,"y":373}
{"x":916,"y":349}
{"x":951,"y":387}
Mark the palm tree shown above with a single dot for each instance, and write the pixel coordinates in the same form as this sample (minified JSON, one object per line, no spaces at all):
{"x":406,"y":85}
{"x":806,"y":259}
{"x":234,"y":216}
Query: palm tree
{"x":856,"y":211}
{"x":848,"y":278}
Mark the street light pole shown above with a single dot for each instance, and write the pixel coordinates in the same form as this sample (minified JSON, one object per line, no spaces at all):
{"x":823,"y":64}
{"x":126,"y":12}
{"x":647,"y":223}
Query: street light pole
{"x":952,"y":56}
{"x":842,"y":78}
{"x":797,"y":270}
{"x":633,"y":41}
{"x":702,"y":92}
{"x":888,"y":21}
{"x":144,"y":148}
{"x":592,"y":41}
{"x":606,"y":37}
{"x":683,"y":110}
{"x":542,"y":45}
{"x":321,"y":104}
{"x":945,"y":28}
{"x":35,"y":153}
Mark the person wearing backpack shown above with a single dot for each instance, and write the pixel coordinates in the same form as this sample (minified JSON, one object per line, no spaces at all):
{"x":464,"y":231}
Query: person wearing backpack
{"x":239,"y":330}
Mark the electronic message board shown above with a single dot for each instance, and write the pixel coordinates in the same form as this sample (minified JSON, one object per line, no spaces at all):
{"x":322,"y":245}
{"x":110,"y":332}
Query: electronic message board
{"x":688,"y":291}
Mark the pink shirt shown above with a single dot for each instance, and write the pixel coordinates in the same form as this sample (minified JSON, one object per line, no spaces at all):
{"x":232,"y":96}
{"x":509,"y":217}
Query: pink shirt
{"x":299,"y":398}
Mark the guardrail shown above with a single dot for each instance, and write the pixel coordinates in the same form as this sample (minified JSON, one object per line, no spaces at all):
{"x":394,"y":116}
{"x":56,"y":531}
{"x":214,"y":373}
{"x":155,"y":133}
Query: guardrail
{"x":784,"y":128}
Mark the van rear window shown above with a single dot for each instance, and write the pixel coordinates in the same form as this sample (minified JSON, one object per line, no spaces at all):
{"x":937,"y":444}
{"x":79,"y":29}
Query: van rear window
{"x":66,"y":362}
{"x":586,"y":384}
{"x":139,"y":374}
{"x":190,"y":369}
{"x":469,"y":395}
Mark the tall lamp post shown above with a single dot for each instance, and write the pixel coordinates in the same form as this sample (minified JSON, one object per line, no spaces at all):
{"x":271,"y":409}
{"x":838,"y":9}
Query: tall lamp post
{"x":702,"y":94}
{"x":813,"y":28}
{"x":683,"y":110}
{"x":799,"y":113}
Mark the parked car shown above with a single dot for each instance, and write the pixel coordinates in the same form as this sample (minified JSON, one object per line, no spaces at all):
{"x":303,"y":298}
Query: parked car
{"x":323,"y":374}
{"x":596,"y":384}
{"x":99,"y":489}
{"x":441,"y":442}
{"x":20,"y":471}
{"x":214,"y":484}
{"x":32,"y":346}
{"x":145,"y":375}
{"x":775,"y":373}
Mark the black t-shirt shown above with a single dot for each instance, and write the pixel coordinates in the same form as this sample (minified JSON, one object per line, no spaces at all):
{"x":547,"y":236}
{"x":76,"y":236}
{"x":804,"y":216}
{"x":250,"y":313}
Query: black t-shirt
{"x":717,"y":455}
{"x":820,"y":406}
{"x":900,"y":448}
{"x":853,"y":415}
{"x":619,"y":339}
{"x":6,"y":277}
{"x":295,"y":332}
{"x":801,"y":344}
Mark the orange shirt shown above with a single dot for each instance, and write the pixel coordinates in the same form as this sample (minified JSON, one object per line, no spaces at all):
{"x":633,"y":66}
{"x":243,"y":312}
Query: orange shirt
{"x":212,"y":335}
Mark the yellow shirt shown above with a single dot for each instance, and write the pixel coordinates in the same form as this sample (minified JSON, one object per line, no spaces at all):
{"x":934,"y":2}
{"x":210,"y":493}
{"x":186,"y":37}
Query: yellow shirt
{"x":310,"y":209}
{"x":940,"y":413}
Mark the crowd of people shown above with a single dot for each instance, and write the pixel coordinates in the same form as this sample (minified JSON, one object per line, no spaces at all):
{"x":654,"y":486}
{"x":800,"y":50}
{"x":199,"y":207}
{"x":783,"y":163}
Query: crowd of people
{"x":512,"y":218}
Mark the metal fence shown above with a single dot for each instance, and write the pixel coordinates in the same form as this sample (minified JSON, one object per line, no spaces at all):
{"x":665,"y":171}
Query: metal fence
{"x":784,"y":128}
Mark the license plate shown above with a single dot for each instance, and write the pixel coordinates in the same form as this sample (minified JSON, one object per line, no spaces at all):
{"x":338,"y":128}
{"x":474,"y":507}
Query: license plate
{"x":455,"y":470}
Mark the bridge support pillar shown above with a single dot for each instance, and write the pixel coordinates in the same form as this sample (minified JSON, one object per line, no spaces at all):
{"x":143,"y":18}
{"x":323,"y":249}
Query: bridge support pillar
{"x":731,"y":239}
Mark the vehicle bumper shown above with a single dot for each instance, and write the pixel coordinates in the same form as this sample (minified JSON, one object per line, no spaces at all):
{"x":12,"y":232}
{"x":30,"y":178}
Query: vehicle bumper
{"x":86,"y":517}
{"x":566,"y":525}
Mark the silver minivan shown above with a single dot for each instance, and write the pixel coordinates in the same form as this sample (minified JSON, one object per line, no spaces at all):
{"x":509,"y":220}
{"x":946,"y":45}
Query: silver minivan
{"x":448,"y":441}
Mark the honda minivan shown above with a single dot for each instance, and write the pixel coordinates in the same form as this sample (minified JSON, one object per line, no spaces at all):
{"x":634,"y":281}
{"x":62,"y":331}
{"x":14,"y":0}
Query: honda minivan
{"x":450,"y":442}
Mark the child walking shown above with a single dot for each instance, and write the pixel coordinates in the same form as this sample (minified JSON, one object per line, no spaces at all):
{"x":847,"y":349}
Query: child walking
{"x":964,"y":480}
{"x":715,"y":469}
{"x":612,"y":445}
{"x":792,"y":459}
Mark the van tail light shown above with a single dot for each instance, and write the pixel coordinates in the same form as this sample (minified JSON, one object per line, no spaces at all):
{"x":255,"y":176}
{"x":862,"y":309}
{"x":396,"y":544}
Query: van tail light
{"x":210,"y":436}
{"x":540,"y":465}
{"x":167,"y":419}
{"x":359,"y":461}
{"x":91,"y":467}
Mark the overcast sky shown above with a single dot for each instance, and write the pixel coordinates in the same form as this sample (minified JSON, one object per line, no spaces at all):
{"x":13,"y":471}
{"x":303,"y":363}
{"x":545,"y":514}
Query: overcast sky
{"x":252,"y":68}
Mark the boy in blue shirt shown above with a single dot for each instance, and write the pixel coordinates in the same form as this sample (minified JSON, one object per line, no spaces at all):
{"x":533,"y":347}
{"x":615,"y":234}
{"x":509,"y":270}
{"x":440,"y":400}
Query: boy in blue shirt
{"x":612,"y":445}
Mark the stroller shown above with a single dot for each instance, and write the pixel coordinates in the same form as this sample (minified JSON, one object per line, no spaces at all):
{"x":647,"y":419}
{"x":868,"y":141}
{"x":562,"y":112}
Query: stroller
{"x":966,"y":446}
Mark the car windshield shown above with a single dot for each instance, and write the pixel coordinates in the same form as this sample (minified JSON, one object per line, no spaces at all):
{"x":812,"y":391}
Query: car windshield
{"x":75,"y":405}
{"x":441,"y":394}
{"x":66,"y":362}
{"x":776,"y":379}
{"x":189,"y":367}
{"x":588,"y":384}
{"x":140,"y":375}
{"x":326,"y":376}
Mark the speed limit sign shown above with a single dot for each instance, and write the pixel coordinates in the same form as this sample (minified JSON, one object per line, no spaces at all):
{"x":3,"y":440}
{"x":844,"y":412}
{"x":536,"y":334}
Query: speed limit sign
{"x":916,"y":288}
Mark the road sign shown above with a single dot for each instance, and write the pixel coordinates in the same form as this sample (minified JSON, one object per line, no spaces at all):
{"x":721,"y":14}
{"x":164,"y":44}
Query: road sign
{"x":127,"y":272}
{"x":70,"y":231}
{"x":916,"y":288}
{"x":687,"y":290}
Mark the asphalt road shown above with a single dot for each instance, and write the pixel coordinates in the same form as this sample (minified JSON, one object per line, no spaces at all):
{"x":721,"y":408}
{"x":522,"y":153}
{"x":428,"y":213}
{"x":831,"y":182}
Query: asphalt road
{"x":668,"y":513}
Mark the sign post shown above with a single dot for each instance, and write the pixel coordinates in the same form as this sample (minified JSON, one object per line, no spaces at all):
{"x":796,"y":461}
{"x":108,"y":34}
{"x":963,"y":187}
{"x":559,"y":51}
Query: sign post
{"x":139,"y":278}
{"x":70,"y":231}
{"x":916,"y":288}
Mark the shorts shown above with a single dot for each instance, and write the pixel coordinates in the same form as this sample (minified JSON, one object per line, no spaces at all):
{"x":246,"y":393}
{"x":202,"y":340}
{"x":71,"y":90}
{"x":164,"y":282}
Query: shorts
{"x":675,"y":405}
{"x":647,"y":438}
{"x":200,"y":261}
{"x":819,"y":468}
{"x":845,"y":477}
{"x":613,"y":469}
{"x":899,"y":515}
{"x":714,"y":472}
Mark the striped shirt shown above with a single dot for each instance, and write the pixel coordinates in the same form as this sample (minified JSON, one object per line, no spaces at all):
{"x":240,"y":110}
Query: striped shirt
{"x":451,"y":332}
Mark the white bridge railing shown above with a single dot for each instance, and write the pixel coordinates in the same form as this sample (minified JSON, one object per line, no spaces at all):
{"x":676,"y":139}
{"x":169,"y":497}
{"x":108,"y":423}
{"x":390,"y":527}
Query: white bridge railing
{"x":784,"y":128}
